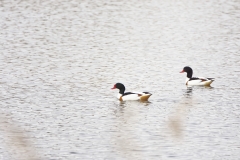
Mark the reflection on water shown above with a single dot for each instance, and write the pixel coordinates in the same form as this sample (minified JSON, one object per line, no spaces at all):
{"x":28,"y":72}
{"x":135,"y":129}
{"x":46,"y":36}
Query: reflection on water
{"x":17,"y":141}
{"x":188,"y":92}
{"x":59,"y":59}
{"x":176,"y":121}
{"x":127,"y":120}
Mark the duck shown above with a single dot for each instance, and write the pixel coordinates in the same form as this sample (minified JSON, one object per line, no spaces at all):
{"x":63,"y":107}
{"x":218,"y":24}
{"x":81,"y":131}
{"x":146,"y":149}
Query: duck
{"x":196,"y":81}
{"x":126,"y":96}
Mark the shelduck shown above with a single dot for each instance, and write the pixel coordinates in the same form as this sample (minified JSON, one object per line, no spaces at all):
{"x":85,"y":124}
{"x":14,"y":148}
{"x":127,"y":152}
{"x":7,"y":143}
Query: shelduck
{"x":196,"y":81}
{"x":125,"y":96}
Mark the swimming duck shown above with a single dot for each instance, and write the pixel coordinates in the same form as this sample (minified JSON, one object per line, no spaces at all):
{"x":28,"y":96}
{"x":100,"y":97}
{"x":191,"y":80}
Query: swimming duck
{"x":125,"y":96}
{"x":196,"y":81}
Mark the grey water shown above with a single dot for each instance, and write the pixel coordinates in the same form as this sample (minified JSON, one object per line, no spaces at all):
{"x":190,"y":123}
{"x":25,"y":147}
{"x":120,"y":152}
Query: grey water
{"x":60,"y":59}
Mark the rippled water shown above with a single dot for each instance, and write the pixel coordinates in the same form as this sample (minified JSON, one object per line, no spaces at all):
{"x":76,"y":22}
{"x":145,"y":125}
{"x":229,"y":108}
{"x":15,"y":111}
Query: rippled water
{"x":60,"y":59}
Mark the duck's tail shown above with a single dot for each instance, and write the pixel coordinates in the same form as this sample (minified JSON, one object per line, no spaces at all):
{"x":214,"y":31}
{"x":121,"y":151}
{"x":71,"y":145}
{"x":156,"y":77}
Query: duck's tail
{"x":210,"y":80}
{"x":145,"y":97}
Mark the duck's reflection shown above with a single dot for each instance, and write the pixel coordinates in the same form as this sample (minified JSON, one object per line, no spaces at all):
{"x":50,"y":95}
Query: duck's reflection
{"x":127,"y":119}
{"x":17,"y":140}
{"x":176,"y":121}
{"x":188,"y":92}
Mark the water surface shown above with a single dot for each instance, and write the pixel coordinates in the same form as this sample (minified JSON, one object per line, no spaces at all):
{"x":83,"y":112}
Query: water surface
{"x":60,"y":59}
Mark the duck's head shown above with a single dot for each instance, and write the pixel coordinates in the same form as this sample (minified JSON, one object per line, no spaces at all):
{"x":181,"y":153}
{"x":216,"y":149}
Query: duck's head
{"x":188,"y":70}
{"x":119,"y":86}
